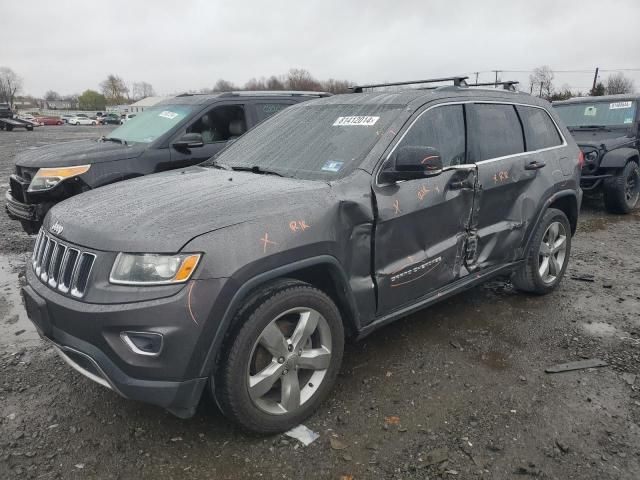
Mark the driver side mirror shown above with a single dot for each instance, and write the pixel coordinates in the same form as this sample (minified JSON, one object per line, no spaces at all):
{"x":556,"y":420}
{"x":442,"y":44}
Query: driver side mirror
{"x":410,"y":163}
{"x":188,"y":141}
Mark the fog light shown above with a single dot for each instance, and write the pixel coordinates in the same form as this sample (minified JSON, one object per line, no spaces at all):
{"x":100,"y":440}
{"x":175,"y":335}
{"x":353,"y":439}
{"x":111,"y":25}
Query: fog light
{"x":143,"y":343}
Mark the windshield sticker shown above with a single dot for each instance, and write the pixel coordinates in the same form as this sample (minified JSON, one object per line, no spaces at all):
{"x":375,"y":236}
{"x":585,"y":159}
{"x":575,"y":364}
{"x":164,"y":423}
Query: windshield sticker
{"x":590,"y":111}
{"x":617,"y":105}
{"x":332,"y":166}
{"x":628,"y":120}
{"x":361,"y":121}
{"x":168,"y":114}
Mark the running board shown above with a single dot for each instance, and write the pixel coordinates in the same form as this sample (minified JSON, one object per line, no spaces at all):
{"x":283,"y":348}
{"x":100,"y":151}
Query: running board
{"x":471,"y":280}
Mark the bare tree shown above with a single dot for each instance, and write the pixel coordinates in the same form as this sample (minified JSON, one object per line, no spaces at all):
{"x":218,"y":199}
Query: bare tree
{"x":224,"y":86}
{"x":115,"y":90}
{"x":142,"y":90}
{"x":275,"y":83}
{"x":336,"y":86}
{"x":541,"y":81}
{"x":301,"y":79}
{"x":618,"y":83}
{"x":52,"y":95}
{"x":10,"y":85}
{"x":255,"y":84}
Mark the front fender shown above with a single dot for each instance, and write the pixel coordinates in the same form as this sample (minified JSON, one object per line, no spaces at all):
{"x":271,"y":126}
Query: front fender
{"x":618,"y":158}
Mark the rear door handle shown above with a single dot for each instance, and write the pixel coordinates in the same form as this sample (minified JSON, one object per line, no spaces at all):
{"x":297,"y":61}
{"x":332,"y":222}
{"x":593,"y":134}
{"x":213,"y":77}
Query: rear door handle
{"x":534,"y":165}
{"x":461,"y":184}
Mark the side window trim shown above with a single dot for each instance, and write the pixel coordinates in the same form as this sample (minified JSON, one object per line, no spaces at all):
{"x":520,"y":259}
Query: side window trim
{"x":520,"y":110}
{"x":473,"y":103}
{"x":395,"y":143}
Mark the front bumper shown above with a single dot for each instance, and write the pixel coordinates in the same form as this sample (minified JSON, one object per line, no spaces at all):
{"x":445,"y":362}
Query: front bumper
{"x":592,"y":182}
{"x":87,"y":337}
{"x":22,"y":211}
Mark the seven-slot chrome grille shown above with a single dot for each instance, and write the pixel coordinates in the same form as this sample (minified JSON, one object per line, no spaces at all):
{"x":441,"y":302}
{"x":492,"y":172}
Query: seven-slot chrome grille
{"x":61,"y":266}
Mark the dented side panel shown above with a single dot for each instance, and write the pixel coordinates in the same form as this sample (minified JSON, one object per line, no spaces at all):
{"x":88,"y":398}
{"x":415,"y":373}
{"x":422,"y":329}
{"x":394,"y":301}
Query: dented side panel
{"x":507,"y":202}
{"x":420,"y":235}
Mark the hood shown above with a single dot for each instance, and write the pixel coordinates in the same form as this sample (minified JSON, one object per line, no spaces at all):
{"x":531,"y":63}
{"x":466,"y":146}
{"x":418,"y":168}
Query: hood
{"x":596,"y":138}
{"x":79,"y":152}
{"x":162,"y":212}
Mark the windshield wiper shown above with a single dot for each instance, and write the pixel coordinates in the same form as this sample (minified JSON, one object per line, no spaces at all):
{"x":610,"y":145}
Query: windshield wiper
{"x":113,"y":139}
{"x":592,"y":127}
{"x":258,"y":170}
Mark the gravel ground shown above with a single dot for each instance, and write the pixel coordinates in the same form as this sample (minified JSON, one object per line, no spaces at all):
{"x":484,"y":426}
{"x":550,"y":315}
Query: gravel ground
{"x":455,"y":391}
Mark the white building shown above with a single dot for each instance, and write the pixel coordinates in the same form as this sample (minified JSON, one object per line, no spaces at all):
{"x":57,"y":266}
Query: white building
{"x":140,"y":105}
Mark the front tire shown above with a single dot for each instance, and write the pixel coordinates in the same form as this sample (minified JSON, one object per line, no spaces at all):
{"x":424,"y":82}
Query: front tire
{"x":622,"y":191}
{"x":548,"y":255}
{"x":282,"y":361}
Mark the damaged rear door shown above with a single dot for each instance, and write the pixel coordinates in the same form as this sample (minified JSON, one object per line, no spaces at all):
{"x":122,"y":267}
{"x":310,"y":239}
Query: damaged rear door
{"x":421,"y":225}
{"x":514,"y":173}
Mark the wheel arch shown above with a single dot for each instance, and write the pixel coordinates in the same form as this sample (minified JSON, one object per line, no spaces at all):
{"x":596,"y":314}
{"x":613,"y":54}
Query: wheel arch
{"x":323,"y":272}
{"x":566,"y":201}
{"x":619,"y":158}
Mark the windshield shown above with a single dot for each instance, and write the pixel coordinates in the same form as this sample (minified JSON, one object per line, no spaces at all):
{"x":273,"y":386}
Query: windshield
{"x":605,"y":114}
{"x":145,"y":127}
{"x":322,"y":142}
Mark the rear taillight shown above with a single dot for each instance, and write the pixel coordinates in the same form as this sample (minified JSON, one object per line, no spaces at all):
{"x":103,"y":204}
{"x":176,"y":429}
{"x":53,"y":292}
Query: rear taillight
{"x":581,"y":159}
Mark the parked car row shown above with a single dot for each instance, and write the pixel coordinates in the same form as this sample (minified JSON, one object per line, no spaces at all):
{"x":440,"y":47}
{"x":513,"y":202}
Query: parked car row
{"x":244,"y":274}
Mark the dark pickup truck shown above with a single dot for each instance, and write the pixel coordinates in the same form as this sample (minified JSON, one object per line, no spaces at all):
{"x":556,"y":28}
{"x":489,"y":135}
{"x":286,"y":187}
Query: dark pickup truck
{"x":8,"y":121}
{"x":175,"y":133}
{"x":607,"y":130}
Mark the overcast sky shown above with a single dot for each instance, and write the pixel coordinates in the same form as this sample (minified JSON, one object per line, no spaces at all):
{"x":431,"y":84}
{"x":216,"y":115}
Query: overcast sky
{"x":69,"y":46}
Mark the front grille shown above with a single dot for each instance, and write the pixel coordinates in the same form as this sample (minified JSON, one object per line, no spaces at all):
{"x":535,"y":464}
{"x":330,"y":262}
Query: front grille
{"x":17,"y":190}
{"x":60,"y":266}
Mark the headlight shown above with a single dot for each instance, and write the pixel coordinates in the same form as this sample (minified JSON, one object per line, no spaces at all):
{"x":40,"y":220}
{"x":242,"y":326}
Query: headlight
{"x":47,"y":178}
{"x":153,"y":269}
{"x":591,"y":156}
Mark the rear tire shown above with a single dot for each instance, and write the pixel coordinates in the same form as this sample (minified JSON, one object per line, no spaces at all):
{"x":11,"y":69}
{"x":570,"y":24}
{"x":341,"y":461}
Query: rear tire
{"x":547,"y":256}
{"x":622,"y":191}
{"x":283,"y":358}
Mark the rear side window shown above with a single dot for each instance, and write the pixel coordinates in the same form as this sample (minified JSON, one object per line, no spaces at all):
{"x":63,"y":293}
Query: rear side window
{"x":443,"y":129}
{"x":494,"y":131}
{"x":539,"y":130}
{"x":265,"y":110}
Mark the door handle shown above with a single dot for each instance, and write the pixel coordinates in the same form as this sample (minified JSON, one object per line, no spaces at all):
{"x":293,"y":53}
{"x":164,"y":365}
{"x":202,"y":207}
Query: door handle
{"x":534,"y":165}
{"x":466,"y":183}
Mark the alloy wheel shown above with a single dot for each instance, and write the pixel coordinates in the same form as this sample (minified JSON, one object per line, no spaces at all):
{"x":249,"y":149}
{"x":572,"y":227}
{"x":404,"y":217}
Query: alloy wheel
{"x":553,"y":252}
{"x":289,"y":361}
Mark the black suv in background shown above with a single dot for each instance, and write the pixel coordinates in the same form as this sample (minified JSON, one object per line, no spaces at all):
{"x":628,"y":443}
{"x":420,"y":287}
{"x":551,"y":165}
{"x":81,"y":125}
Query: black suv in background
{"x":607,"y":129}
{"x":175,"y":133}
{"x":331,"y":219}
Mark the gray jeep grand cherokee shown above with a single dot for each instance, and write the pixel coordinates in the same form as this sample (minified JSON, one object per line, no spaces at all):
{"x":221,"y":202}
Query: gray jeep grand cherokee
{"x":329,"y":220}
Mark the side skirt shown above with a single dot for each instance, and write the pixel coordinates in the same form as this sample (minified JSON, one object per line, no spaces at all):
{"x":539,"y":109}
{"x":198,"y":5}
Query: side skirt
{"x":447,"y":291}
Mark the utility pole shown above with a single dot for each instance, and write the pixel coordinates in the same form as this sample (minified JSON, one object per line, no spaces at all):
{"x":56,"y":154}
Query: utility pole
{"x":595,"y":79}
{"x":477,"y":73}
{"x":496,"y":72}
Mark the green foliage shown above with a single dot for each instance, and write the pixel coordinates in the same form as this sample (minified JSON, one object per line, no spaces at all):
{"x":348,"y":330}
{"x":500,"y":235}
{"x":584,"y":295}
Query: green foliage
{"x":91,"y":100}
